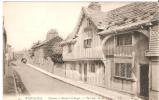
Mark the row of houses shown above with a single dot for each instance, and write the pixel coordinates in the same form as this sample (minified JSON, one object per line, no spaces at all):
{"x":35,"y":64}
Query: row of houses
{"x":117,"y":49}
{"x":8,"y":54}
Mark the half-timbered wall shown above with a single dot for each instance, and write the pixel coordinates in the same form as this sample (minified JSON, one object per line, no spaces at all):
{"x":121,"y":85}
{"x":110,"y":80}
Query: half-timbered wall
{"x":96,"y":76}
{"x":72,"y":70}
{"x":81,"y":52}
{"x":139,"y":46}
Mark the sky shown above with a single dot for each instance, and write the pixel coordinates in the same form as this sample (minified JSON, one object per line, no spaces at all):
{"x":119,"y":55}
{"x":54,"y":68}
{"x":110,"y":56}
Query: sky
{"x":29,"y":22}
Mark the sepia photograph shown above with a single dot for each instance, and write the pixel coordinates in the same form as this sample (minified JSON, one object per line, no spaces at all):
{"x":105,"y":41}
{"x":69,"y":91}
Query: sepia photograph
{"x":67,"y":50}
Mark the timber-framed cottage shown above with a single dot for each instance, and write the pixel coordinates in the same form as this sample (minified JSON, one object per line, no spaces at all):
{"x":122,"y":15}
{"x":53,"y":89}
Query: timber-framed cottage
{"x":118,"y":49}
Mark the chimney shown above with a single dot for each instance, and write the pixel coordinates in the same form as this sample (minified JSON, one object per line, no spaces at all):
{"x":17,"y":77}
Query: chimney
{"x":51,"y":34}
{"x":95,"y":6}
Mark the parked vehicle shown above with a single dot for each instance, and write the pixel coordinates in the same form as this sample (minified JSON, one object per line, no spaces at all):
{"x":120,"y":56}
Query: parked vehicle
{"x":24,"y":60}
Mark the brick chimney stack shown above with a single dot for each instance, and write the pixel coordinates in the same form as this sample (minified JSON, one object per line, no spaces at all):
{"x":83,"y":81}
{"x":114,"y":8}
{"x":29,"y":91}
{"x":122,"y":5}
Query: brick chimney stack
{"x":51,"y":34}
{"x":95,"y":6}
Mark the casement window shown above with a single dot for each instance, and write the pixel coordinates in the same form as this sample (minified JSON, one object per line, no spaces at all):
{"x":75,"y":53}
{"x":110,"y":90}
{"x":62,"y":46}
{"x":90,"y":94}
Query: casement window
{"x":124,"y":39}
{"x":123,"y":70}
{"x":87,"y":43}
{"x":69,"y":48}
{"x":92,"y":68}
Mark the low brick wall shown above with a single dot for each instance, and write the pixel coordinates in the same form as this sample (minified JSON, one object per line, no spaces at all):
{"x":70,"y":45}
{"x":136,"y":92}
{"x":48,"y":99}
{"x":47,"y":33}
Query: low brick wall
{"x":48,"y":65}
{"x":59,"y":69}
{"x":45,"y":64}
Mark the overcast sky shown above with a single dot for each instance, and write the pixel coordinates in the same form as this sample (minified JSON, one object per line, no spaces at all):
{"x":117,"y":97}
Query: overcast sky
{"x":28,"y":22}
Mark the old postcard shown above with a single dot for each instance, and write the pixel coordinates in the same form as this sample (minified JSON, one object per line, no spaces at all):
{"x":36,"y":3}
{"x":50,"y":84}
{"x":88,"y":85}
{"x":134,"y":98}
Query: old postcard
{"x":81,"y":50}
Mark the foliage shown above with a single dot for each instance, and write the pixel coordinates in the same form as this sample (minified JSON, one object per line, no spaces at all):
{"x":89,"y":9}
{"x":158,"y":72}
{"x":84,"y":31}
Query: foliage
{"x":53,"y":50}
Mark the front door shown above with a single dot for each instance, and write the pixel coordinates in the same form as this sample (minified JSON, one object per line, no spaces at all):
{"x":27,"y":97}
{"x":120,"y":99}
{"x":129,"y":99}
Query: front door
{"x":80,"y":71}
{"x":101,"y":74}
{"x":144,"y":80}
{"x":85,"y":72}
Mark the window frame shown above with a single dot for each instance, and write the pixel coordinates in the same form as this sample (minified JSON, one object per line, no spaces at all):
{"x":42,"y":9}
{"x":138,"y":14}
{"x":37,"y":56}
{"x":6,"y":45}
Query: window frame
{"x":87,"y":43}
{"x":92,"y":68}
{"x":123,"y":71}
{"x":124,"y":39}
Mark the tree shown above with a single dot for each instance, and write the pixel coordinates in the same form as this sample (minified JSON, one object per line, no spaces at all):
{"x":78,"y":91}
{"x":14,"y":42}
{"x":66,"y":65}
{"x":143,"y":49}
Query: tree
{"x":53,"y":49}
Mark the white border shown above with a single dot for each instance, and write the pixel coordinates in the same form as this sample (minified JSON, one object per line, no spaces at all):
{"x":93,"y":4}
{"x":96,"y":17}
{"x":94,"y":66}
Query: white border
{"x":90,"y":0}
{"x":1,"y":23}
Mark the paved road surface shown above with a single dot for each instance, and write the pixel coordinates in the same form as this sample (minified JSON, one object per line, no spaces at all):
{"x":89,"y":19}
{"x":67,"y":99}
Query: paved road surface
{"x":39,"y":83}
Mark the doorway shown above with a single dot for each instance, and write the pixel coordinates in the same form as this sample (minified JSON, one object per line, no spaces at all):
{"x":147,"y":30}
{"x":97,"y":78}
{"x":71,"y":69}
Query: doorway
{"x":101,"y":74}
{"x":85,"y":72}
{"x":80,"y":71}
{"x":144,"y":80}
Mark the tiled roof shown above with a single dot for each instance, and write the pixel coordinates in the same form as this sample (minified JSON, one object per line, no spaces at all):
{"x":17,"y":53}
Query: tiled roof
{"x":44,"y":42}
{"x":125,"y":16}
{"x":71,"y":38}
{"x":39,"y":44}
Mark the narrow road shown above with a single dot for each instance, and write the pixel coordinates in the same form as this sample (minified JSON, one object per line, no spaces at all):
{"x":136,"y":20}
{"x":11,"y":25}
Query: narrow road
{"x":39,"y":83}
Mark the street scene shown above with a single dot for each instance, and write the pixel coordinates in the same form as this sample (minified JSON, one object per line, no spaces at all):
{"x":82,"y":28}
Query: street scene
{"x":81,"y":50}
{"x":48,"y":84}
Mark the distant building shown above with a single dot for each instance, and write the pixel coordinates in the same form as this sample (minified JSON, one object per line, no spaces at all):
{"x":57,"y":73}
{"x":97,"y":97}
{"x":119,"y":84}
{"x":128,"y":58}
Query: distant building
{"x":44,"y":49}
{"x":5,"y":62}
{"x":8,"y":53}
{"x":51,"y":34}
{"x":118,"y":49}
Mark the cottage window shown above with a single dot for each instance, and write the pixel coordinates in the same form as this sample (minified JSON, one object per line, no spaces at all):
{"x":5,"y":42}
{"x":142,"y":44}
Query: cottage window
{"x":92,"y":68}
{"x":69,"y":48}
{"x":123,"y":70}
{"x":87,"y":43}
{"x":124,"y":39}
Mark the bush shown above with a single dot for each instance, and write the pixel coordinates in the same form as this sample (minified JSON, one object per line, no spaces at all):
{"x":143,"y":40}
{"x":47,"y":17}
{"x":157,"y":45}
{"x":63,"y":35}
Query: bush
{"x":53,"y":50}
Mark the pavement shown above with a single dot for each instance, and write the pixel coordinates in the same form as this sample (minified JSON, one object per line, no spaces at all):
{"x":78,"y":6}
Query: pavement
{"x":109,"y":94}
{"x":9,"y":85}
{"x":39,"y":83}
